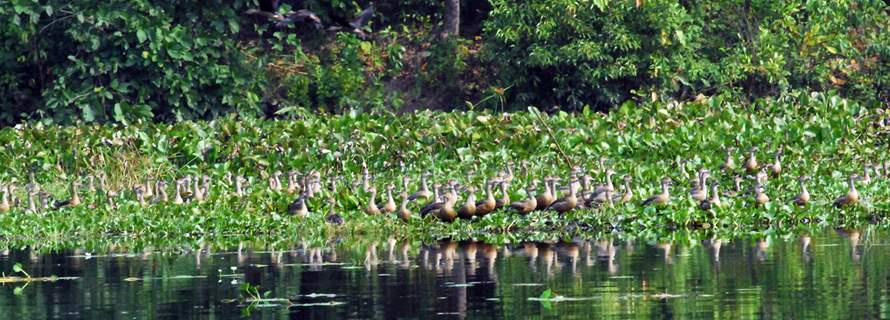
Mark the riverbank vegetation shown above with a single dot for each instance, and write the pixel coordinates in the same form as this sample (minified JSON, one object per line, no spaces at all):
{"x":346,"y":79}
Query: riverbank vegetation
{"x":825,"y":137}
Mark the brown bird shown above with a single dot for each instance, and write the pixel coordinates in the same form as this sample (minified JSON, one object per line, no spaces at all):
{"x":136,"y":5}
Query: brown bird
{"x":661,"y":198}
{"x":628,"y":194}
{"x":852,"y":196}
{"x":390,"y":205}
{"x":75,"y":198}
{"x":714,"y":201}
{"x":298,"y":207}
{"x":177,"y":198}
{"x":4,"y":203}
{"x":598,"y":195}
{"x":546,"y":198}
{"x":567,"y":203}
{"x":446,"y":212}
{"x":776,"y":168}
{"x":371,"y":209}
{"x":435,"y":202}
{"x":751,"y":162}
{"x":469,"y":208}
{"x":504,"y":200}
{"x":484,"y":207}
{"x":760,"y":197}
{"x":700,"y":192}
{"x":333,"y":217}
{"x":728,"y":164}
{"x":404,"y":213}
{"x":804,"y":197}
{"x":424,"y":191}
{"x":528,"y":205}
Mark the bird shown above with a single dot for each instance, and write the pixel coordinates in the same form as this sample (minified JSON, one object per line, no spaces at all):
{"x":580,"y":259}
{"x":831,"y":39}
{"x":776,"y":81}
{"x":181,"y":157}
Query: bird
{"x":446,"y":212}
{"x":487,"y":205}
{"x":504,"y":200}
{"x":298,"y":207}
{"x":598,"y":195}
{"x":390,"y":205}
{"x":403,"y":212}
{"x":760,"y":197}
{"x":700,"y":192}
{"x":852,"y":195}
{"x":139,"y":190}
{"x":469,"y":208}
{"x":333,"y":217}
{"x":776,"y":168}
{"x":804,"y":196}
{"x":663,"y":197}
{"x":751,"y":162}
{"x":527,"y":205}
{"x":628,"y":194}
{"x":729,"y":163}
{"x":546,"y":198}
{"x":371,"y":209}
{"x":424,"y":191}
{"x":177,"y":197}
{"x":434,"y":203}
{"x":4,"y":203}
{"x":569,"y":202}
{"x":713,"y":201}
{"x":865,"y":179}
{"x":75,"y":197}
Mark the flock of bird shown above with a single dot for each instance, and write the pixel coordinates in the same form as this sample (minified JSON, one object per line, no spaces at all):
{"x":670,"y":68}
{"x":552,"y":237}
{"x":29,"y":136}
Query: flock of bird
{"x":441,"y":200}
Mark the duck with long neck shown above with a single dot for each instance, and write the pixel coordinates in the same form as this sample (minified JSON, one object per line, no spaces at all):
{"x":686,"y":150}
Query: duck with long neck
{"x":599,"y":193}
{"x":663,"y":197}
{"x":162,"y":192}
{"x":866,"y":176}
{"x":292,"y":182}
{"x":728,"y":165}
{"x":701,"y":193}
{"x":177,"y":198}
{"x":569,"y":202}
{"x":547,"y":197}
{"x":390,"y":205}
{"x":198,"y":191}
{"x":404,"y":214}
{"x":446,"y":212}
{"x":298,"y":207}
{"x":714,"y":201}
{"x":804,"y":197}
{"x":4,"y":203}
{"x":628,"y":195}
{"x":504,"y":200}
{"x":424,"y":191}
{"x":469,"y":208}
{"x":751,"y":164}
{"x":760,"y":197}
{"x":32,"y":204}
{"x":436,"y":200}
{"x":333,"y":217}
{"x":371,"y":209}
{"x":527,"y":205}
{"x":852,"y":195}
{"x":487,"y":205}
{"x":776,"y":168}
{"x":149,"y":189}
{"x":239,"y":186}
{"x":140,"y":195}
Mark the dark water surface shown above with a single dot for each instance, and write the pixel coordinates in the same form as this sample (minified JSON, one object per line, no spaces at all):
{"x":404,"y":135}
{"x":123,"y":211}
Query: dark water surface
{"x":828,"y":275}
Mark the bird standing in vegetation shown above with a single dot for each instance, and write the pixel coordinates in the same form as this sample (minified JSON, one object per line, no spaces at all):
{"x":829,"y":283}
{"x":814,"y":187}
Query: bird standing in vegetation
{"x":663,"y":197}
{"x":469,"y":208}
{"x":487,"y":205}
{"x":852,"y":195}
{"x":804,"y":196}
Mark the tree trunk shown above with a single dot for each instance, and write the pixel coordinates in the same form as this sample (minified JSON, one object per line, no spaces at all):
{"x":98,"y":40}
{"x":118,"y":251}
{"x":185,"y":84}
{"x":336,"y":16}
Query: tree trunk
{"x":452,"y":18}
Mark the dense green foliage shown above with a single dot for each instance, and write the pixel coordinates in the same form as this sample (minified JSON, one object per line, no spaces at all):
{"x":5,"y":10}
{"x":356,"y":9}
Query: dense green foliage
{"x":64,"y":61}
{"x":602,"y":53}
{"x":825,"y":137}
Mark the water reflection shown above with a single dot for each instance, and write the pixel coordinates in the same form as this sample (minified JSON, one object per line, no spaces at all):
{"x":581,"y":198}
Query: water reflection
{"x":776,"y":277}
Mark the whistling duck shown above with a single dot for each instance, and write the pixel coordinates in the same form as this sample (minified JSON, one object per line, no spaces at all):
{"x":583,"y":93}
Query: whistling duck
{"x":298,"y":207}
{"x":469,"y":208}
{"x":714,"y":201}
{"x":32,"y":204}
{"x":333,"y":217}
{"x":760,"y":197}
{"x":404,"y":213}
{"x":546,"y":198}
{"x":852,"y":196}
{"x":504,"y":200}
{"x":663,"y":197}
{"x":434,"y":202}
{"x":866,"y":176}
{"x":628,"y":195}
{"x":371,"y":209}
{"x":149,"y":189}
{"x":736,"y":185}
{"x":804,"y":197}
{"x":162,"y":192}
{"x":683,"y":174}
{"x":569,"y":202}
{"x":198,"y":192}
{"x":599,"y":192}
{"x":177,"y":198}
{"x":44,"y":200}
{"x":728,"y":164}
{"x":139,"y":190}
{"x":239,"y":186}
{"x":776,"y":167}
{"x":390,"y":205}
{"x":75,"y":198}
{"x":91,"y":183}
{"x":751,"y":162}
{"x":446,"y":211}
{"x":4,"y":204}
{"x":701,"y":193}
{"x":424,"y":191}
{"x":527,"y":205}
{"x":486,"y":206}
{"x":292,"y":182}
{"x":186,"y":187}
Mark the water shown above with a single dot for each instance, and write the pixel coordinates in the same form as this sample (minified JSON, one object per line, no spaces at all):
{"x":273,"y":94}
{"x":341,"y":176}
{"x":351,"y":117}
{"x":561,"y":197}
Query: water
{"x":832,"y":274}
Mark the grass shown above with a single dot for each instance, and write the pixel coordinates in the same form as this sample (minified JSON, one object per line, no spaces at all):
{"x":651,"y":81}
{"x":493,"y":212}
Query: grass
{"x":823,"y":136}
